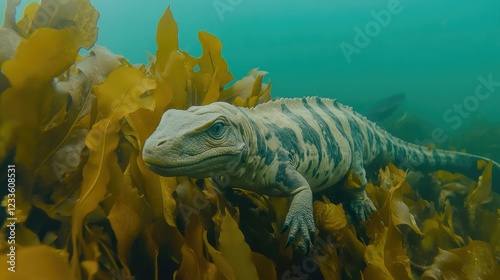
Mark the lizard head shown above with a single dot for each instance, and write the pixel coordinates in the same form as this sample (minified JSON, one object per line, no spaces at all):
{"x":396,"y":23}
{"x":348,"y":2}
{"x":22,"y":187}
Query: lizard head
{"x":200,"y":142}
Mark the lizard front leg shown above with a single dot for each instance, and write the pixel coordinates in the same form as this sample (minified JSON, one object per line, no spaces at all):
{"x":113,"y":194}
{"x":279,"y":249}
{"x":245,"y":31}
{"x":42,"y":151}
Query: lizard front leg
{"x":300,"y":218}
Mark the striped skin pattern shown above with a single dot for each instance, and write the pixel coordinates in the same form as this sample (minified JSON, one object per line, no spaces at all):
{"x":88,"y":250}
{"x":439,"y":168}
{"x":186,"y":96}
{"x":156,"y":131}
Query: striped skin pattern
{"x":286,"y":147}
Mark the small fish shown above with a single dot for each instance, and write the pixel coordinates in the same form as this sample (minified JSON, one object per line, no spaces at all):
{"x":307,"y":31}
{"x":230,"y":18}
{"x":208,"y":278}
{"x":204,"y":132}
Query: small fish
{"x":385,"y":108}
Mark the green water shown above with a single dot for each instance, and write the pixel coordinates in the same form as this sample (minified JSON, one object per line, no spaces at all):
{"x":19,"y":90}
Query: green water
{"x":434,"y":51}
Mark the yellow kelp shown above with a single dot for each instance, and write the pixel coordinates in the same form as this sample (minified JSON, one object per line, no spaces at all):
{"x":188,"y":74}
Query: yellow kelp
{"x":87,"y":207}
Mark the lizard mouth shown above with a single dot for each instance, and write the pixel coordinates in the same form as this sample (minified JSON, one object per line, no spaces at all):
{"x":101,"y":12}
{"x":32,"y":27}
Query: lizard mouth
{"x":196,"y":168}
{"x":171,"y":171}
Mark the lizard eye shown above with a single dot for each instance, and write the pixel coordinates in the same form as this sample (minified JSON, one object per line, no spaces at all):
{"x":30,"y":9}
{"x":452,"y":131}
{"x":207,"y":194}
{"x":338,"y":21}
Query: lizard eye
{"x":216,"y":129}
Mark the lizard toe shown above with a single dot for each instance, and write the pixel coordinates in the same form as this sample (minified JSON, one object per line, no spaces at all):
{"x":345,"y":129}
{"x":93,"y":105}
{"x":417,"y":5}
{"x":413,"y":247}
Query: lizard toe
{"x":362,"y":208}
{"x":301,"y":225}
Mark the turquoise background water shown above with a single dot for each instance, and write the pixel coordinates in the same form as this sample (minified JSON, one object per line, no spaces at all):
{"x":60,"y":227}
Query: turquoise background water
{"x":434,"y":51}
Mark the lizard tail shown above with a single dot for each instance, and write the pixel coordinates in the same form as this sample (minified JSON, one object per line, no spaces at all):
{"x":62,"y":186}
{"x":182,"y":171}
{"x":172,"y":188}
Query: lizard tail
{"x":428,"y":160}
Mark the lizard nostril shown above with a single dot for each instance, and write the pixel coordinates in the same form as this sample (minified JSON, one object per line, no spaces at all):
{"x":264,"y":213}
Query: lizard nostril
{"x":160,"y":143}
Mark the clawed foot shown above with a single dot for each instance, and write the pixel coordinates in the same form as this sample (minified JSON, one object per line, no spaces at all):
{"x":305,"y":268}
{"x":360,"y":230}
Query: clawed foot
{"x":362,"y":206}
{"x":301,"y":225}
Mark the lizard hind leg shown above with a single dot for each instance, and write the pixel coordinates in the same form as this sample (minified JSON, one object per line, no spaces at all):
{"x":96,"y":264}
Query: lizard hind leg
{"x":359,"y":203}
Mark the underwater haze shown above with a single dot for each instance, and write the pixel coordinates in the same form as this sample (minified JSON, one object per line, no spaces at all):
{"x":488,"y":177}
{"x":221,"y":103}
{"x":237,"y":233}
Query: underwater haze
{"x":434,"y":51}
{"x":97,"y":144}
{"x":444,"y":55}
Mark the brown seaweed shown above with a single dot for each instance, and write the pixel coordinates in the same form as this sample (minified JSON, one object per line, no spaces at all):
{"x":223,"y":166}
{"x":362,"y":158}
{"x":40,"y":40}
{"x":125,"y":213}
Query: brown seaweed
{"x":88,"y":208}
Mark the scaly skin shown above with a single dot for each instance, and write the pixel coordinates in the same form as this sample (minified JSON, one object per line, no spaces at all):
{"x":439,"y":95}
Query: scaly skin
{"x":287,"y":147}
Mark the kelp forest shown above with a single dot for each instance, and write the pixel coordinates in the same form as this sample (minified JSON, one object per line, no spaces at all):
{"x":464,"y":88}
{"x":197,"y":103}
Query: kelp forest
{"x":78,"y":202}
